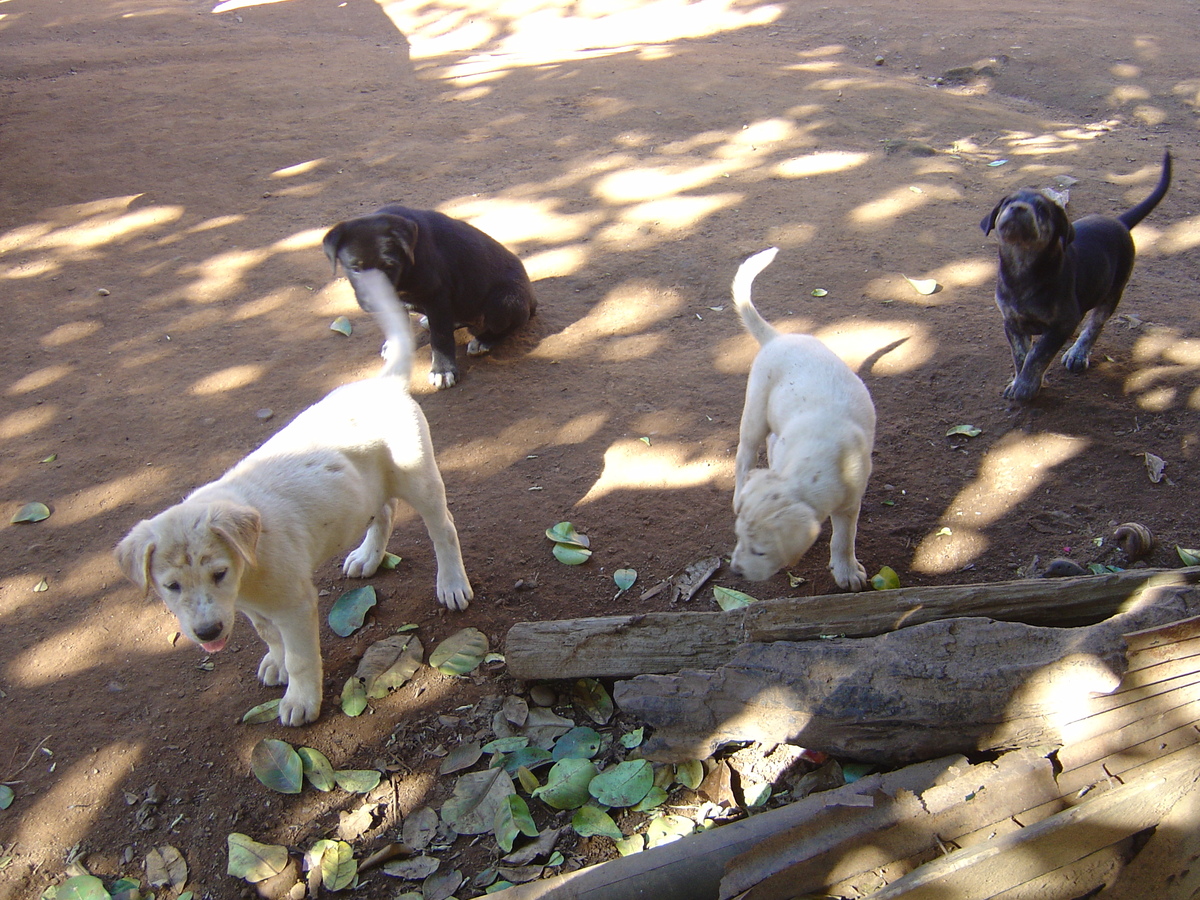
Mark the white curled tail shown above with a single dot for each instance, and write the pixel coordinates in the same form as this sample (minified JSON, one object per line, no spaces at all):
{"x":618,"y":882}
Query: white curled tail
{"x":376,"y":294}
{"x":746,"y":273}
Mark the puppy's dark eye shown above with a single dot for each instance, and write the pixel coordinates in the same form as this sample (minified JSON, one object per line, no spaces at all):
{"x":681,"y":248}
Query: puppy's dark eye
{"x":173,"y":587}
{"x":219,"y":575}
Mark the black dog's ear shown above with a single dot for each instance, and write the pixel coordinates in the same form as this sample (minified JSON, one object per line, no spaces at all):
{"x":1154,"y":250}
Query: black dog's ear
{"x":1063,"y":229}
{"x":402,"y":233}
{"x":989,"y":221}
{"x":333,"y":243}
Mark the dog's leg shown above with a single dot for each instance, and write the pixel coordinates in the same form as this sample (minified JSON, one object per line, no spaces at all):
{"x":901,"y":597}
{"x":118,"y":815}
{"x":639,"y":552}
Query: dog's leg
{"x":1028,"y":381}
{"x":443,"y":372}
{"x":363,"y":561}
{"x":847,"y":571}
{"x":273,"y":668}
{"x":1018,"y":342}
{"x":1076,"y":359}
{"x":298,"y":631}
{"x":426,"y":493}
{"x":752,"y":434}
{"x":505,"y":311}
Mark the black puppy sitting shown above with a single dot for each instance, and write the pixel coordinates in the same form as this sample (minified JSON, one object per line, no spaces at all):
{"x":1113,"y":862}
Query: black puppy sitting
{"x":1053,"y":272}
{"x":450,"y":271}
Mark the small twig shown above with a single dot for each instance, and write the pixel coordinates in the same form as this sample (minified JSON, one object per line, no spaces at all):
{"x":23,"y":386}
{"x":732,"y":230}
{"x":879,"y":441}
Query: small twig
{"x":32,"y":754}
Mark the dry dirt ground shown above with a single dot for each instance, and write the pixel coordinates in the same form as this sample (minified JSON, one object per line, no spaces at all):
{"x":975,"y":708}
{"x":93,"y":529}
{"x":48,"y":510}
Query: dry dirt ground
{"x":168,"y":169}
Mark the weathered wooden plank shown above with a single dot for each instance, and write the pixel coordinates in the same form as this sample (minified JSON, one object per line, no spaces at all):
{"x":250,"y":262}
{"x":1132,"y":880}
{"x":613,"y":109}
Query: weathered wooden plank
{"x":812,"y":855}
{"x":1025,"y":856}
{"x":1168,"y":866}
{"x":650,"y":643}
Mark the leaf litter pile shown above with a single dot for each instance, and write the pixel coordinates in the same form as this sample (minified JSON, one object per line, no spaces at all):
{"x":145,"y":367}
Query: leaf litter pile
{"x":538,"y":780}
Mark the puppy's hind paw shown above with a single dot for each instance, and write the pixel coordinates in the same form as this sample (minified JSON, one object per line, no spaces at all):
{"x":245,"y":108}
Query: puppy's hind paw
{"x":270,"y":672}
{"x":443,"y":380}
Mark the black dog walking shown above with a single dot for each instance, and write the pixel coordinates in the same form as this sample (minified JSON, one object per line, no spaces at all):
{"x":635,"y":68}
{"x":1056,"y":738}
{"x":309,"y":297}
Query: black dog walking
{"x":1054,"y":272}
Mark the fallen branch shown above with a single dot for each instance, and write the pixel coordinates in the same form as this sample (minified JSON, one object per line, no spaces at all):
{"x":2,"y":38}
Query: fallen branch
{"x":658,"y":643}
{"x":952,"y":686}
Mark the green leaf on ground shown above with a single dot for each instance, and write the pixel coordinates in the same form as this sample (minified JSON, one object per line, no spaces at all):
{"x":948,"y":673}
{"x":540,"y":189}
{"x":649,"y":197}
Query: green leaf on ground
{"x":567,"y":783}
{"x":570,"y":555}
{"x":317,"y":769}
{"x":460,"y":653}
{"x":581,"y":742}
{"x":82,"y":887}
{"x":512,"y":819}
{"x":254,"y":862}
{"x":31,"y":512}
{"x":565,"y":533}
{"x":354,"y":697}
{"x":335,"y":859}
{"x":665,"y":829}
{"x":592,"y":698}
{"x":263,"y":713}
{"x":349,"y":611}
{"x":277,"y":765}
{"x":728,"y":599}
{"x":886,"y":580}
{"x":624,"y":784}
{"x":357,"y":781}
{"x":690,"y":773}
{"x":589,"y":821}
{"x":965,"y":430}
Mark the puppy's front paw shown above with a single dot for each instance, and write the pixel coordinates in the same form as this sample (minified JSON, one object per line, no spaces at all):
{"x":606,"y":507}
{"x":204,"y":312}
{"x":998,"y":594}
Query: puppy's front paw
{"x":443,"y":380}
{"x":1076,"y":360}
{"x":1020,"y":391}
{"x":478,"y":348}
{"x":362,"y":563}
{"x":299,"y":707}
{"x":850,"y":576}
{"x":270,"y":672}
{"x":454,"y":593}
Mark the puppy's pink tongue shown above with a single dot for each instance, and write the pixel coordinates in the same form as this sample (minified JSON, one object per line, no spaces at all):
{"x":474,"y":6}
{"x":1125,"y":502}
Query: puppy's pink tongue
{"x":215,"y":646}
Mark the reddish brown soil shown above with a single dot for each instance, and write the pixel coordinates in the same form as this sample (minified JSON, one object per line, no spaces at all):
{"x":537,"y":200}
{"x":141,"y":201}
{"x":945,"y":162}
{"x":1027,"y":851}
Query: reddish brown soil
{"x":166,"y":172}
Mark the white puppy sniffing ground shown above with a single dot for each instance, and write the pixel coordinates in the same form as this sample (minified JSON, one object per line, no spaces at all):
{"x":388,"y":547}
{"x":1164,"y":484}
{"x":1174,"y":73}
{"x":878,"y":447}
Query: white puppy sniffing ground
{"x":817,"y":421}
{"x":251,"y":540}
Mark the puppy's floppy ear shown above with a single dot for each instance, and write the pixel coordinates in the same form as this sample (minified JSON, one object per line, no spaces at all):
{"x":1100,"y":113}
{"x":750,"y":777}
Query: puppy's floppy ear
{"x":402,"y":233}
{"x":1064,"y":231}
{"x":240,"y":526}
{"x":333,"y":243}
{"x":134,"y":554}
{"x":989,"y":221}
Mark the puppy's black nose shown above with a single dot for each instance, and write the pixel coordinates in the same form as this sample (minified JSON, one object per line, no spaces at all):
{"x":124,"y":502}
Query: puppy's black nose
{"x":210,"y":632}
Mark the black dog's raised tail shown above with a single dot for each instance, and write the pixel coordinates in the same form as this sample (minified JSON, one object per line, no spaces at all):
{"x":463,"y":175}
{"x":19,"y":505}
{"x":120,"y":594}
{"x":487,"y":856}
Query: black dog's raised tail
{"x":1143,"y":209}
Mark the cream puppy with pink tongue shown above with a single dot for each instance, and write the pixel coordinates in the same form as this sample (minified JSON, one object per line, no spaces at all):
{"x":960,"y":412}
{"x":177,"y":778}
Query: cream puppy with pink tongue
{"x":250,"y":541}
